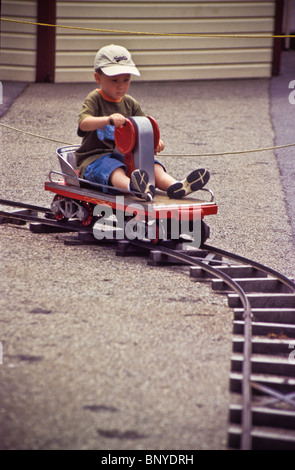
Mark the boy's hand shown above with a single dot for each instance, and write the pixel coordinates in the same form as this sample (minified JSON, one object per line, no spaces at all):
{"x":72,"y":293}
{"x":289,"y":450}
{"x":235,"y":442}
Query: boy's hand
{"x":117,"y":120}
{"x":160,"y":147}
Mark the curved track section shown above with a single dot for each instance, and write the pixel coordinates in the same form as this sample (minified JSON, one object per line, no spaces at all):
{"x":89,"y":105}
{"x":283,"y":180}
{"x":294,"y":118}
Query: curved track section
{"x":263,"y":372}
{"x":262,"y":379}
{"x":262,"y":415}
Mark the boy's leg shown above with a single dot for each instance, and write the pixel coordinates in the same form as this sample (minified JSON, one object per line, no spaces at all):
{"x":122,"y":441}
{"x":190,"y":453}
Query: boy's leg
{"x":110,"y":171}
{"x":138,"y":183}
{"x":178,"y":189}
{"x":106,"y":170}
{"x":175,"y":189}
{"x":119,"y":179}
{"x":162,"y":179}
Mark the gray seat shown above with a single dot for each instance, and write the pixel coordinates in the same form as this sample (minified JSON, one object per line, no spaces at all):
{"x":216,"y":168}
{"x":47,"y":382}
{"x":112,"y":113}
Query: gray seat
{"x":67,"y":161}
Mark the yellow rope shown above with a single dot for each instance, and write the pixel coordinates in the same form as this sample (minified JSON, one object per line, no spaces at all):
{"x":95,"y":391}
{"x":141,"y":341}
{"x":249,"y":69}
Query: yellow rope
{"x":235,"y":152}
{"x":34,"y":135}
{"x":195,"y":35}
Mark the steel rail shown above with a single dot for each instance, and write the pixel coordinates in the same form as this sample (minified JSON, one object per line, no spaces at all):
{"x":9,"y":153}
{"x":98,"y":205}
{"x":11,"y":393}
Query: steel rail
{"x":273,"y":393}
{"x":285,"y":280}
{"x":66,"y":226}
{"x":246,"y":382}
{"x":23,"y":205}
{"x":278,"y":397}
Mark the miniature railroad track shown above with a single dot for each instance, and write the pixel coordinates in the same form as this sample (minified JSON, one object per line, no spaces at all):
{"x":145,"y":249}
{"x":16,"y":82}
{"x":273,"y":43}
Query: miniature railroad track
{"x":263,"y":372}
{"x":262,"y":378}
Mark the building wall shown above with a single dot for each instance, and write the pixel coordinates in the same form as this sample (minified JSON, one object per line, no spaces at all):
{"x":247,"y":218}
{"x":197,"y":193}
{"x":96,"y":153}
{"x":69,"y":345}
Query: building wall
{"x":157,"y":57}
{"x":289,"y":23}
{"x":18,"y":41}
{"x":167,"y":58}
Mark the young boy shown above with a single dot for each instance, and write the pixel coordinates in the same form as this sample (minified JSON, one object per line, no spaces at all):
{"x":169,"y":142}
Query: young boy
{"x":106,"y":108}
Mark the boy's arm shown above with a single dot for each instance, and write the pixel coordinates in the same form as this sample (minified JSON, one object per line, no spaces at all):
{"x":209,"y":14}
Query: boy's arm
{"x":160,"y":147}
{"x":91,"y":123}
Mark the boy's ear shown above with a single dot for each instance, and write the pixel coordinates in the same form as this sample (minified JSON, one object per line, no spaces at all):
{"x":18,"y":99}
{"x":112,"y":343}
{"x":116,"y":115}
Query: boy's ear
{"x":97,"y":77}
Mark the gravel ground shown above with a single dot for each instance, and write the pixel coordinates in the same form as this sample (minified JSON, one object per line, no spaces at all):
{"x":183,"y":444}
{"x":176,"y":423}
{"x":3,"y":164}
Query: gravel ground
{"x":104,"y":352}
{"x":283,"y":122}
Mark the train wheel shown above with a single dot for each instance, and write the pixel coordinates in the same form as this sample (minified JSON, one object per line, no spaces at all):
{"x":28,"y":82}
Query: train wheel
{"x":88,"y":219}
{"x":55,"y":208}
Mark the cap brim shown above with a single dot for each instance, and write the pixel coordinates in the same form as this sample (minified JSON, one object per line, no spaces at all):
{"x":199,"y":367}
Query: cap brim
{"x":113,"y":70}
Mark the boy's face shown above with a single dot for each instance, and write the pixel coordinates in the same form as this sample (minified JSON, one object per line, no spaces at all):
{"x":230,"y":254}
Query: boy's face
{"x":115,"y":87}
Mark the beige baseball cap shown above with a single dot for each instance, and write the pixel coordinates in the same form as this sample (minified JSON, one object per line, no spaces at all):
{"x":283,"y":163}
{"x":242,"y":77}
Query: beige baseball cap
{"x":115,"y":60}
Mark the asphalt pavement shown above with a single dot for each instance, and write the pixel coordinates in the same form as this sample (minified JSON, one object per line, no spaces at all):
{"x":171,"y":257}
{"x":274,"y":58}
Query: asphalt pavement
{"x":104,"y":352}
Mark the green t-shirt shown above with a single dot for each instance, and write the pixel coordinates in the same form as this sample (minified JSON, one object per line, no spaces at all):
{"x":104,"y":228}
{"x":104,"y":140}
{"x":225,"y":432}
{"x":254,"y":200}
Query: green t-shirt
{"x":100,"y":142}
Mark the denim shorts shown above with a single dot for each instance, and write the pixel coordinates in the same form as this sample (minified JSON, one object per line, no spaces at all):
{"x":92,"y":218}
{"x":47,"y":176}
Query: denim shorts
{"x":101,"y":169}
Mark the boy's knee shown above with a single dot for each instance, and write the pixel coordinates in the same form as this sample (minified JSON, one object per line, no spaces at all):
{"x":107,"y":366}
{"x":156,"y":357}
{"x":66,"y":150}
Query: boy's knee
{"x":159,"y":168}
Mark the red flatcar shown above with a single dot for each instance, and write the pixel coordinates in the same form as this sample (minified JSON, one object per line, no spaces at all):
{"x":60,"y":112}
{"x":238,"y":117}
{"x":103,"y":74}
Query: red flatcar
{"x":125,"y":216}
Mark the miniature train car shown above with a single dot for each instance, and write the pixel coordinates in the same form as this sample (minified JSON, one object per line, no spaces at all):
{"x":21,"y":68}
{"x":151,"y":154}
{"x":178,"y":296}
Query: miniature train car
{"x":125,"y":215}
